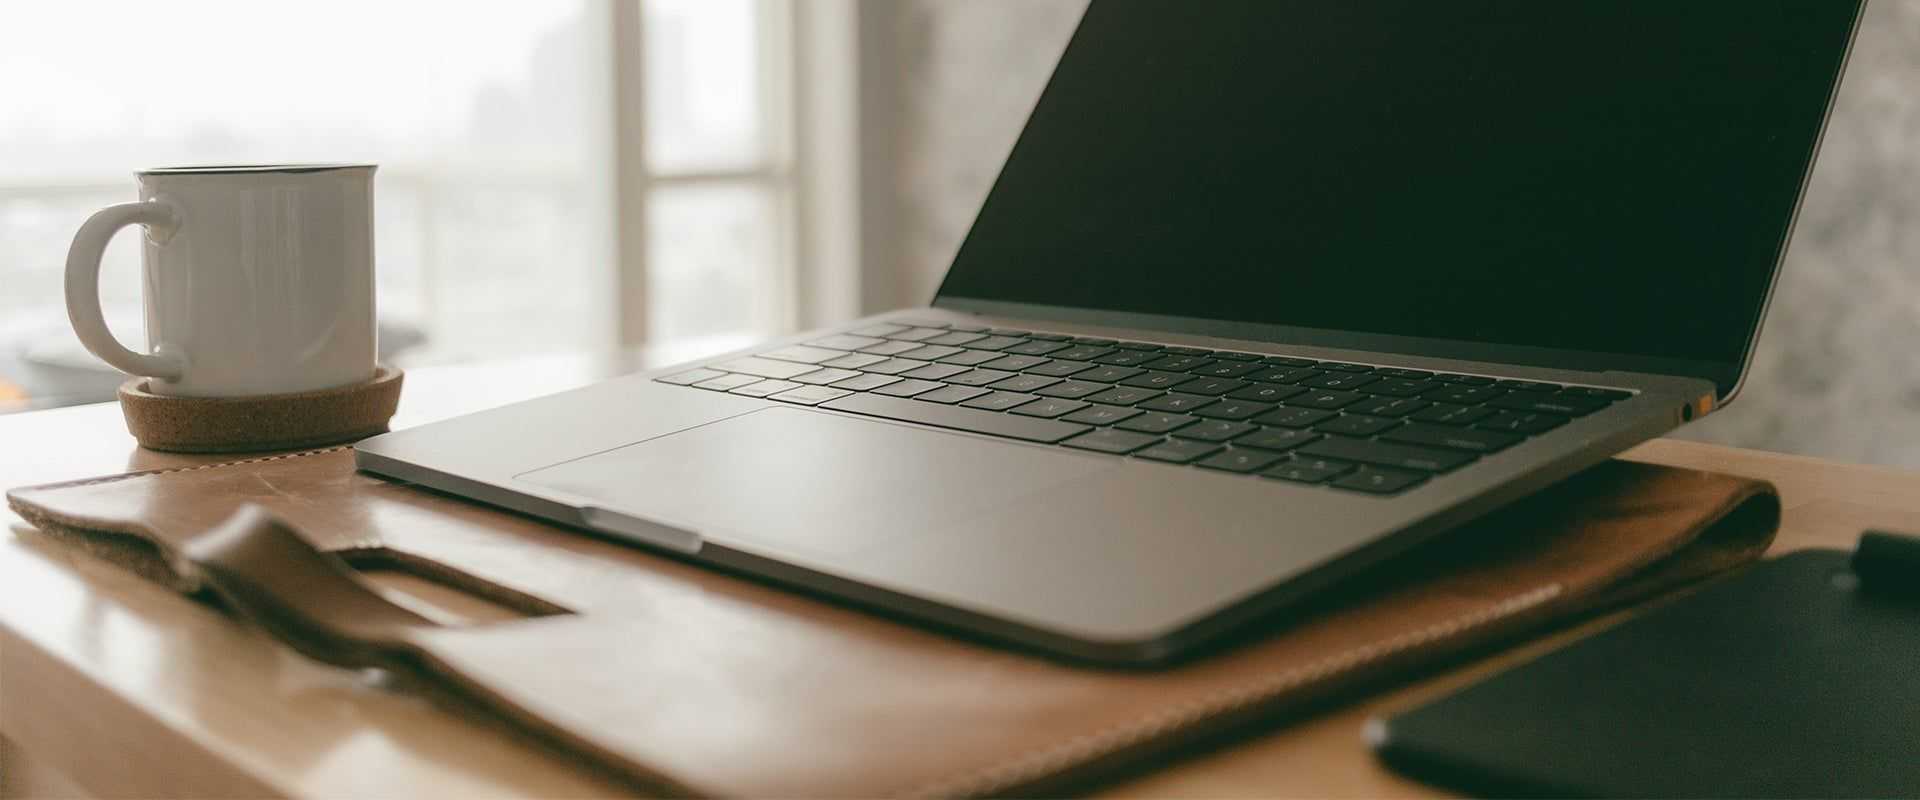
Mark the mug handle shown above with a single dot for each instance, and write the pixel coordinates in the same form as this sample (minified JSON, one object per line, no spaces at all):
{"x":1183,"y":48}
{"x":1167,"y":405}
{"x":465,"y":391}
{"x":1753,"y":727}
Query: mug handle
{"x":83,"y":286}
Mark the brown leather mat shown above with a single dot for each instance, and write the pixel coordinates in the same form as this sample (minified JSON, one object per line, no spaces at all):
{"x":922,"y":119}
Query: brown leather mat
{"x":678,"y":678}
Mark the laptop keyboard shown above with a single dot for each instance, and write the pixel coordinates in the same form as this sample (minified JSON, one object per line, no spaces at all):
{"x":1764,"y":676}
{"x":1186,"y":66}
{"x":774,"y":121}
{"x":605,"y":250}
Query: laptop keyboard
{"x":1363,"y":428}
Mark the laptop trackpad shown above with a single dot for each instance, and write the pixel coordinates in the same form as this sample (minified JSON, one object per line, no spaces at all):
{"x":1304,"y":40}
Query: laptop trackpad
{"x":810,"y":483}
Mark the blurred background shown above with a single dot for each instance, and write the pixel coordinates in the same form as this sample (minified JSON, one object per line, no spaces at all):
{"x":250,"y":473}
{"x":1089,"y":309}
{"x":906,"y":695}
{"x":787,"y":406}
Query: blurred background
{"x":692,"y":175}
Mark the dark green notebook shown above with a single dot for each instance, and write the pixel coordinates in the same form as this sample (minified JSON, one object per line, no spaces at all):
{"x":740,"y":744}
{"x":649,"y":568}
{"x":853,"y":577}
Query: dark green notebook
{"x":1799,"y":677}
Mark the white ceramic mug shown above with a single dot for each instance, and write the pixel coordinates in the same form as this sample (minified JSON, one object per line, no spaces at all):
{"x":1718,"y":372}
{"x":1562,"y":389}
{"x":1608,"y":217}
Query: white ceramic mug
{"x":258,"y":279}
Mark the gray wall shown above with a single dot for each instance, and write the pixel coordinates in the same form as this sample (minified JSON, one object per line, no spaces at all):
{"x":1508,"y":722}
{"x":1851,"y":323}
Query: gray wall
{"x":1837,"y":373}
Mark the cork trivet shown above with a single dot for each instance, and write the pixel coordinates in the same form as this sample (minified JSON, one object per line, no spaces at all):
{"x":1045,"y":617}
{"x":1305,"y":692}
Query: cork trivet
{"x":264,"y":422}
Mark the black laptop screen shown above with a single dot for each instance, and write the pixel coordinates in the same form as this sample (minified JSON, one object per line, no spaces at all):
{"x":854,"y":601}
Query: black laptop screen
{"x":1611,"y":176}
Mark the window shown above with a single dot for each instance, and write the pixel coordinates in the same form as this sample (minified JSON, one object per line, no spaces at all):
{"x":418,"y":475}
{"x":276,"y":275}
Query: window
{"x":558,"y":175}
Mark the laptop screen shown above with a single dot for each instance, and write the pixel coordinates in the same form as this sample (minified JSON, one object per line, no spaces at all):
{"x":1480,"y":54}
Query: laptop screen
{"x":1606,"y":176}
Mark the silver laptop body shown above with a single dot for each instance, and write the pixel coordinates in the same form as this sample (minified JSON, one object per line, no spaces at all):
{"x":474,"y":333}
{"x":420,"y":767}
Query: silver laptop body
{"x":1096,"y":481}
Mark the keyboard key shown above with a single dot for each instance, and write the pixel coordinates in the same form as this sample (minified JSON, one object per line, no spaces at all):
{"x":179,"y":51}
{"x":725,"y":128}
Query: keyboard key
{"x":1379,"y":481}
{"x":1174,"y":401}
{"x":854,"y":361}
{"x":1007,"y":425}
{"x":1101,"y":415}
{"x":970,"y":358}
{"x":1464,"y":395}
{"x":994,"y":343}
{"x":1401,"y":387}
{"x":1529,"y":386}
{"x":1402,"y":456}
{"x":1213,"y":430}
{"x":917,"y":334}
{"x":1093,"y":340}
{"x":979,"y":377}
{"x":952,"y":394}
{"x":1275,"y":439}
{"x":1283,"y":375}
{"x":1234,"y":409}
{"x":1082,"y":353}
{"x":1140,"y":346}
{"x":916,"y":323}
{"x":907,"y":388}
{"x":935,"y":372}
{"x":1388,"y":406}
{"x":1468,"y":380}
{"x":931,"y":352}
{"x":1015,"y":363}
{"x":1357,"y":425}
{"x":890,"y":348}
{"x":844,"y":341}
{"x":1445,"y":414}
{"x":691,"y":377}
{"x":1000,"y":401}
{"x":865,"y":382}
{"x":1339,"y":367}
{"x":1608,"y":395}
{"x":1177,"y":363}
{"x":766,"y":368}
{"x":1326,"y":399}
{"x":1126,"y":358}
{"x":822,"y":377}
{"x":1157,"y":380}
{"x":766,"y":387}
{"x":1157,"y":422}
{"x":1179,"y":451}
{"x":1050,"y":337}
{"x":1049,"y":407}
{"x":1073,"y":390}
{"x":1288,"y":361}
{"x":802,"y":354}
{"x":726,"y":383}
{"x":810,"y":395}
{"x":881,"y":330}
{"x":1468,"y":439}
{"x":1309,"y":470}
{"x":1233,"y":356}
{"x":1036,"y":348}
{"x":1227,"y":369}
{"x":956,"y":338}
{"x":1186,"y":351}
{"x":1108,"y":374}
{"x":1212,"y":386}
{"x":1518,"y":422}
{"x":894,"y":366}
{"x":1410,"y":374}
{"x":968,"y":328}
{"x":1123,"y":395}
{"x":1241,"y":460}
{"x":1059,"y":369}
{"x":1009,"y":332}
{"x":1118,"y":442}
{"x":1024,"y":383}
{"x":1344,"y":381}
{"x":1549,"y":403}
{"x":1294,"y":417}
{"x":1265,"y":392}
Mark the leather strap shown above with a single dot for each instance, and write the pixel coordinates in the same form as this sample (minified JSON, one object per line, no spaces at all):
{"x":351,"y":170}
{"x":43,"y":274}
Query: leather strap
{"x":270,"y":574}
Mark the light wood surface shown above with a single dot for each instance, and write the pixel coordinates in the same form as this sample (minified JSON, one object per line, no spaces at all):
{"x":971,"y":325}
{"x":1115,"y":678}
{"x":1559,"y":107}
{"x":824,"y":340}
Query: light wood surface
{"x":110,"y":686}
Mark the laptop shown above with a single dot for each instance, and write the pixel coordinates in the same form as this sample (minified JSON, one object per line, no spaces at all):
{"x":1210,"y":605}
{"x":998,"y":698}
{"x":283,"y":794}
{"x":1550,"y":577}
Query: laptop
{"x":1266,"y":292}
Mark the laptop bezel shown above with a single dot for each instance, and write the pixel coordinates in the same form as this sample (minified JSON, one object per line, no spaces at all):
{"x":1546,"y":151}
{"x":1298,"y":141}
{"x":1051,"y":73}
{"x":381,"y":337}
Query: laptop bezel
{"x":1727,"y":378}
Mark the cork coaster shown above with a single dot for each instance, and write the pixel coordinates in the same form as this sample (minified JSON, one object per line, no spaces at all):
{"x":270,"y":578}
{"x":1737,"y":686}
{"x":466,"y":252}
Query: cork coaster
{"x":263,"y":422}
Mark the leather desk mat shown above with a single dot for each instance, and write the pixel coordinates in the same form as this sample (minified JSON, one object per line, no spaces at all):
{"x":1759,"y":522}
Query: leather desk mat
{"x":683,"y":680}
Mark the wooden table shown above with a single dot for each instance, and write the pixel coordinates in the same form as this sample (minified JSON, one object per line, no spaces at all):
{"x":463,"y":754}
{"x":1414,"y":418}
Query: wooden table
{"x":114,"y":687}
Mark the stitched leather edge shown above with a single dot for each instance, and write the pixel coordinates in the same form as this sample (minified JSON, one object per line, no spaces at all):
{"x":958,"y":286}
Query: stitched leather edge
{"x":1156,"y":724}
{"x":96,"y":481}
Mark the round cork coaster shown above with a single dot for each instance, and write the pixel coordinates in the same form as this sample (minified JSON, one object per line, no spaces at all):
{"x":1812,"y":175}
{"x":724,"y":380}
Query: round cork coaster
{"x":263,"y":422}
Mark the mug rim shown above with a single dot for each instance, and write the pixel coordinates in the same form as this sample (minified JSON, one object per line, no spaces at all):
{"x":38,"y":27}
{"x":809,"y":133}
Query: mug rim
{"x":234,"y":169}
